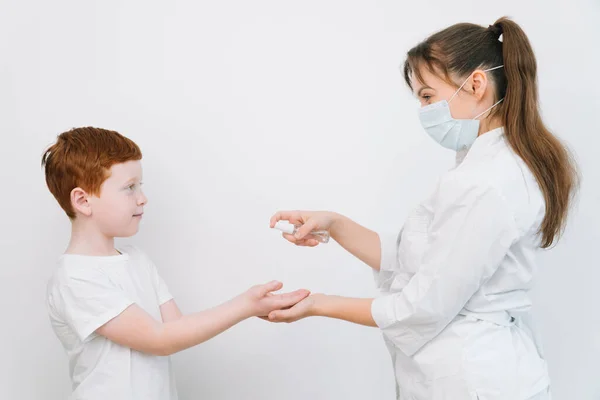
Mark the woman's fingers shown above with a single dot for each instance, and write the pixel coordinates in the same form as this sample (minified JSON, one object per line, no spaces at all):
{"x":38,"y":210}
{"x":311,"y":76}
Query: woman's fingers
{"x":282,"y":315}
{"x":293,"y":217}
{"x":308,"y":240}
{"x":306,"y":229}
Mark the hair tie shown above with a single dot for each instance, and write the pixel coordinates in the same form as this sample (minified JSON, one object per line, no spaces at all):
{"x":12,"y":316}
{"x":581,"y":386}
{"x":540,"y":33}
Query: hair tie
{"x":496,"y":30}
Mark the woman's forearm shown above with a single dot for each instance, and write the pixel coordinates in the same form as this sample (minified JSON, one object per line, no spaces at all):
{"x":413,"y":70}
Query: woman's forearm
{"x":353,"y":310}
{"x":359,"y":241}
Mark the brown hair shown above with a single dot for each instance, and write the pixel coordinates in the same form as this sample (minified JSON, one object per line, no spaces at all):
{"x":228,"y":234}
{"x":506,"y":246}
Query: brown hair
{"x":463,"y":48}
{"x":82,"y":158}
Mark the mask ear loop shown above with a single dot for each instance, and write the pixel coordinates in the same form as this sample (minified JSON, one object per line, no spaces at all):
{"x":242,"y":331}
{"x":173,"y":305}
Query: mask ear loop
{"x":461,"y":86}
{"x":498,"y":102}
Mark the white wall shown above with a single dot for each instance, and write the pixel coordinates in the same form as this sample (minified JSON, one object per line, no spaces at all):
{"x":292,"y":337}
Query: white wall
{"x":245,"y":107}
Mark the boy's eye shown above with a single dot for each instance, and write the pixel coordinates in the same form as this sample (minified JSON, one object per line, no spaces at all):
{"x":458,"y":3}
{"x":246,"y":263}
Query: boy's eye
{"x":133,"y":186}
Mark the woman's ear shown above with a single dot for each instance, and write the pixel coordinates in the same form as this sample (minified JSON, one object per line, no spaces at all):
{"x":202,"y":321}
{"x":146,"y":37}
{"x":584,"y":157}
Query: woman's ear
{"x":80,"y":203}
{"x":478,"y":84}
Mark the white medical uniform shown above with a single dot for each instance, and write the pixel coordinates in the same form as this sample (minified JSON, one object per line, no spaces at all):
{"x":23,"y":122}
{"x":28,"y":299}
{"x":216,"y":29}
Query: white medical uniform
{"x":454,"y":308}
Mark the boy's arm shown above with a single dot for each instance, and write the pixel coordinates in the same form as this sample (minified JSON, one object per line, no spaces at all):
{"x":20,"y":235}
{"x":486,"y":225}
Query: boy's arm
{"x":170,"y":312}
{"x":136,"y":329}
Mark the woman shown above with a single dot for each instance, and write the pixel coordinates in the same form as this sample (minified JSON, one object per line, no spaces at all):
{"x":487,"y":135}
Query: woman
{"x":454,"y":307}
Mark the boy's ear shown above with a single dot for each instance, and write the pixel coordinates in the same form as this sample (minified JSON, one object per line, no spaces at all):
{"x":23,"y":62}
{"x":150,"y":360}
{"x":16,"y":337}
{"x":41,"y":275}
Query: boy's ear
{"x":80,"y":202}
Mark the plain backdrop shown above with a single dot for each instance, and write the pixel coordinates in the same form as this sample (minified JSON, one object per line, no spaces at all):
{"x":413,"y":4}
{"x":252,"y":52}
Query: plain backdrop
{"x":242,"y":108}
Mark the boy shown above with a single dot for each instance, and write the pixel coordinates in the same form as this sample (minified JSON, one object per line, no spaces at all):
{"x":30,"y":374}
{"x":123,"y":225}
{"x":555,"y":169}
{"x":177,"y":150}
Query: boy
{"x":109,"y":306}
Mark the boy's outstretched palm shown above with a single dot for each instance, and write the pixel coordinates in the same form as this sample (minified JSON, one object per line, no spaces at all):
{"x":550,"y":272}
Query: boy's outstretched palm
{"x":261,"y":301}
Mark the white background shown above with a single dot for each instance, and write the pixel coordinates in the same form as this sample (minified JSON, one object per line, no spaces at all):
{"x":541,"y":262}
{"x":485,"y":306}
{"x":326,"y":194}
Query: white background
{"x":245,"y":107}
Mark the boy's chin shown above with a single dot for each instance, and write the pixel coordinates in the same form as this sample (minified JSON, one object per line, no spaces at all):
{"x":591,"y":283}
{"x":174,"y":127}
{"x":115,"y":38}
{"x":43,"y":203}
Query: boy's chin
{"x":130,"y":234}
{"x":126,"y":233}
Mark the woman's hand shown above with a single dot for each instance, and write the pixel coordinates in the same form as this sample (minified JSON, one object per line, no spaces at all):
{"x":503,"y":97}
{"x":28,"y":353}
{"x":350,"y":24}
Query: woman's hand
{"x":305,"y":308}
{"x":359,"y":241}
{"x":353,"y":310}
{"x":310,"y":221}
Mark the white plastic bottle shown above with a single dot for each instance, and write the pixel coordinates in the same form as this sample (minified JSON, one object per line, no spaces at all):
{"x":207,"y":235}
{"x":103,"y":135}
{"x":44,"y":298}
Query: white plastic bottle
{"x":286,"y":227}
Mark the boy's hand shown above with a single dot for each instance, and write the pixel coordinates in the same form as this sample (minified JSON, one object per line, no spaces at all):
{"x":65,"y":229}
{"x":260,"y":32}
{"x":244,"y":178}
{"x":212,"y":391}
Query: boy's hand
{"x":260,"y":301}
{"x":305,"y":308}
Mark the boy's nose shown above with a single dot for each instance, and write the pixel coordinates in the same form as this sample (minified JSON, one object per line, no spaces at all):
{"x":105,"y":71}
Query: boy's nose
{"x":142,"y":199}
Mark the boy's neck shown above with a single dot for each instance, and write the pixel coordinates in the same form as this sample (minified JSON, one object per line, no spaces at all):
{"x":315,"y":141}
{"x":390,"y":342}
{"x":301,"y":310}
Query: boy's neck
{"x":87,"y":240}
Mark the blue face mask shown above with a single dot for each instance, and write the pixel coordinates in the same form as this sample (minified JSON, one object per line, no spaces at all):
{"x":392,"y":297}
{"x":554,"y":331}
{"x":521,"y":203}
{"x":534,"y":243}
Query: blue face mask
{"x":451,"y":133}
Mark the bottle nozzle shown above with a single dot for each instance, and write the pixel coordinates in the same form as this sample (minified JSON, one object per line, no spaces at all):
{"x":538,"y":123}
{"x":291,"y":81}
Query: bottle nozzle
{"x":285,"y":227}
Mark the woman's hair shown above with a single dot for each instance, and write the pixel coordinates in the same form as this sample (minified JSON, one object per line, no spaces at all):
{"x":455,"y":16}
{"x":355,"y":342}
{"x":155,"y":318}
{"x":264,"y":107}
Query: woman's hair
{"x":463,"y":48}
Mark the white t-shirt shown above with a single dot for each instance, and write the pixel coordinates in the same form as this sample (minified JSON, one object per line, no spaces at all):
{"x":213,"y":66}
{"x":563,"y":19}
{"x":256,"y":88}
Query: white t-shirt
{"x":84,"y":293}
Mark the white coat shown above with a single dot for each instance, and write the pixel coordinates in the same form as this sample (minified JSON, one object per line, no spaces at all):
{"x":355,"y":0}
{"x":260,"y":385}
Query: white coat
{"x":454,"y":308}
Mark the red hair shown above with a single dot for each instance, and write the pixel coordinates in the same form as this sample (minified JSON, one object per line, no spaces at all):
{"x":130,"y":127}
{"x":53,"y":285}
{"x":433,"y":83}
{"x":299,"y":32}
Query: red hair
{"x":82,"y":157}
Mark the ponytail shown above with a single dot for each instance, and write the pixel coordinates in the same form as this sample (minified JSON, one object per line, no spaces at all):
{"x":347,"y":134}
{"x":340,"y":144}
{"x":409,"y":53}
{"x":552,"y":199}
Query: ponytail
{"x":548,"y":159}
